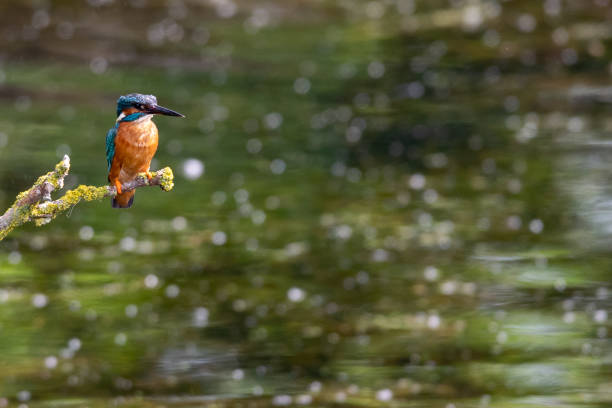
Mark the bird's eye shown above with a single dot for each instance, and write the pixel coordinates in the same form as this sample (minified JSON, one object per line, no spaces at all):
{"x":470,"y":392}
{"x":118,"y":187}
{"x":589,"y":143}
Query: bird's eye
{"x":141,"y":107}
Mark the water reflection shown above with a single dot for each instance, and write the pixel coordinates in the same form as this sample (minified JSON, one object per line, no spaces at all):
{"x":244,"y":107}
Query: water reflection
{"x":377,"y":203}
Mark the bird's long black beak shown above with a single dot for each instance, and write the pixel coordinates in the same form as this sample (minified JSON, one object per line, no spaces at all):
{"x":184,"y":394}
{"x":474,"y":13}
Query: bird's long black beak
{"x":160,"y":110}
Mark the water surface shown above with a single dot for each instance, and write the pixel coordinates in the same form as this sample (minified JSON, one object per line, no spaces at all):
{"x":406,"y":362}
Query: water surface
{"x":385,"y":203}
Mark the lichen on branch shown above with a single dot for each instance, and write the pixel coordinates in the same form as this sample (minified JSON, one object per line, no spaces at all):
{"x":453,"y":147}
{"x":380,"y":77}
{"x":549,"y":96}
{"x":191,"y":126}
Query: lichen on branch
{"x":35,"y":204}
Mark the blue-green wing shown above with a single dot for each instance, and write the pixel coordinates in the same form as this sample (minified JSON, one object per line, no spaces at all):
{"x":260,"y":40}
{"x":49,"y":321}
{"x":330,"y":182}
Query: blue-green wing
{"x":110,"y":146}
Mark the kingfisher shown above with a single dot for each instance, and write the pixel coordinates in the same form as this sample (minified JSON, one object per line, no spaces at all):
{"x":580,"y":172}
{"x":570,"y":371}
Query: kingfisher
{"x":132,"y":142}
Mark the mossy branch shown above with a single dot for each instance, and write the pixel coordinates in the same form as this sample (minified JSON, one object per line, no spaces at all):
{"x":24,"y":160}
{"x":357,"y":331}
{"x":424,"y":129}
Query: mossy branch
{"x":36,"y":204}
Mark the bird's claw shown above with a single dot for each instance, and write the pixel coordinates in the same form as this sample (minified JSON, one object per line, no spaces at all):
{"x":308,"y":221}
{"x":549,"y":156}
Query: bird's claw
{"x":117,"y":186}
{"x":147,"y":174}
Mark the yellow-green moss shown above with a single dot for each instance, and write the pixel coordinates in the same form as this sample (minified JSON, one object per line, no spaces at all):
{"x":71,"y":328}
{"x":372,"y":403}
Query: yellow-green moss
{"x":87,"y":193}
{"x":21,"y":214}
{"x":51,"y":209}
{"x":55,"y":178}
{"x":167,"y":179}
{"x":42,"y":213}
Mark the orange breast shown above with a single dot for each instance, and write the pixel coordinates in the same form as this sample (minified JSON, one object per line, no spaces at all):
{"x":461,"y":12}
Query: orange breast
{"x":135,"y":146}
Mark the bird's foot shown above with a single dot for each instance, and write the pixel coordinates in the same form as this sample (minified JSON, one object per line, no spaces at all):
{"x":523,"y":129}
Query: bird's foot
{"x":117,"y":186}
{"x":149,"y":175}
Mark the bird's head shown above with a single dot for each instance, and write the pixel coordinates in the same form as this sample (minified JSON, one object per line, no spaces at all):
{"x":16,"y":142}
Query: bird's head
{"x":138,"y":105}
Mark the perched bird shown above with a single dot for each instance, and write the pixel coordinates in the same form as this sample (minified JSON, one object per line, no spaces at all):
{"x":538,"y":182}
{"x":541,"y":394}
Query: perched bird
{"x":132,"y":142}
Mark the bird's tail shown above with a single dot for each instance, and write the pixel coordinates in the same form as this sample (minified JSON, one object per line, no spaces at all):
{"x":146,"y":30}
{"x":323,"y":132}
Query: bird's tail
{"x":123,"y":200}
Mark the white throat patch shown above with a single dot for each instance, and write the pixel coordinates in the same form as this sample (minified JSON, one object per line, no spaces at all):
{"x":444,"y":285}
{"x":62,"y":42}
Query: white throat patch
{"x":145,"y":117}
{"x":123,"y":115}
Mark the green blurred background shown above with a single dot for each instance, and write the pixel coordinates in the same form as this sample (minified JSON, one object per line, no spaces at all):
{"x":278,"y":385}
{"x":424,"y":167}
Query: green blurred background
{"x":399,"y":203}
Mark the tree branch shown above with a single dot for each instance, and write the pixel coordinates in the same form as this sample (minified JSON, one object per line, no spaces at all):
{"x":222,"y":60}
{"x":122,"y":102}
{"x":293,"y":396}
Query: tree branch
{"x":35,"y":204}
